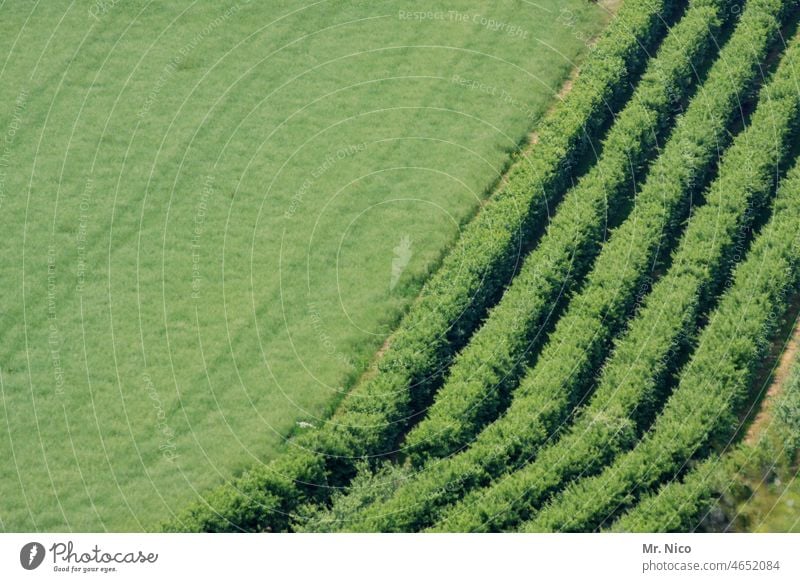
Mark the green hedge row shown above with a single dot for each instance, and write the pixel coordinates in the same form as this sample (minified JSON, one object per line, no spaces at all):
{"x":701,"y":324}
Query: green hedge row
{"x":486,"y":371}
{"x":632,"y":379}
{"x":453,"y":301}
{"x":543,"y":399}
{"x":703,"y":409}
{"x":680,"y":506}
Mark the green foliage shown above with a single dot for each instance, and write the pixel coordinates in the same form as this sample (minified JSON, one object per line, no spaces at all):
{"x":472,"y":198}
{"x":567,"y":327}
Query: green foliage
{"x":484,"y":373}
{"x":543,"y":399}
{"x":632,"y":379}
{"x":176,"y":181}
{"x":702,"y":410}
{"x":453,"y":301}
{"x":677,"y":505}
{"x":367,"y":487}
{"x":680,"y":506}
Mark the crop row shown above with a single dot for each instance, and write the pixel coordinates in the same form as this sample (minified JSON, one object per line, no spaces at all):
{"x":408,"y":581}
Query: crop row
{"x":453,"y":301}
{"x":486,"y":371}
{"x":543,"y":399}
{"x":680,"y":506}
{"x":631,"y":383}
{"x":703,"y":409}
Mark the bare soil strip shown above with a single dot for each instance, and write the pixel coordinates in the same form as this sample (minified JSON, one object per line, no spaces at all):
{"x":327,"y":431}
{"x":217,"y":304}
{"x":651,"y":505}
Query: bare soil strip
{"x":779,"y":378}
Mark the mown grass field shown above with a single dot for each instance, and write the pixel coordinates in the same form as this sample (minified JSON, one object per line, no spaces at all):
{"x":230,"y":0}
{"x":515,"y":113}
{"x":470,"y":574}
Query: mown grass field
{"x":215,"y":213}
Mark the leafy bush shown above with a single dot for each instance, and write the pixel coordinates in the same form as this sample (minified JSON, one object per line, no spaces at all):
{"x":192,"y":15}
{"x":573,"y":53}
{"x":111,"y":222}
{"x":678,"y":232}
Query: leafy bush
{"x":703,"y":409}
{"x":565,"y":366}
{"x":453,"y":301}
{"x":485,"y":372}
{"x":680,"y":505}
{"x":631,"y":382}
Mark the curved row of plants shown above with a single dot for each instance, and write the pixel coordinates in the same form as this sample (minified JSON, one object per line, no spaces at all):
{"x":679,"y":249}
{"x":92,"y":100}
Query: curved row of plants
{"x":632,"y":380}
{"x":453,"y":301}
{"x":487,"y":369}
{"x":543,"y":400}
{"x":680,"y":506}
{"x":703,"y":409}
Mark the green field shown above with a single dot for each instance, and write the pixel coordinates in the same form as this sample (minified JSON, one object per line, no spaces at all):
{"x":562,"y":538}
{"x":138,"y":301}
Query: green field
{"x":215,"y":213}
{"x":613,"y":374}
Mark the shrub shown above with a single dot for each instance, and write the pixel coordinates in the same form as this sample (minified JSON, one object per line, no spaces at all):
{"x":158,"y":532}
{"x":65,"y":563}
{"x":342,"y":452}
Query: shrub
{"x":455,"y":298}
{"x":485,"y":372}
{"x":578,"y":343}
{"x":632,"y":379}
{"x":680,"y":505}
{"x":702,"y":410}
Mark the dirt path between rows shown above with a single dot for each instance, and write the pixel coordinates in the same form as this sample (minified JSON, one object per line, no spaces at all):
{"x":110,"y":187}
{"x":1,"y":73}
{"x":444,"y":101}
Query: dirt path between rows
{"x":779,"y":378}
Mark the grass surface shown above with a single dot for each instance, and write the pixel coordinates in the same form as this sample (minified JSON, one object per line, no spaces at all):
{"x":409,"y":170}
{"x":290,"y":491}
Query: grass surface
{"x":215,"y":213}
